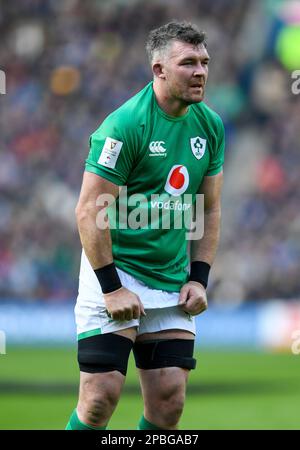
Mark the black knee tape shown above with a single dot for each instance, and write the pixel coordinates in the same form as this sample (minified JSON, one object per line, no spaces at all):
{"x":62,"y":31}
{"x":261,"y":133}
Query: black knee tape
{"x":104,"y":353}
{"x":159,"y":353}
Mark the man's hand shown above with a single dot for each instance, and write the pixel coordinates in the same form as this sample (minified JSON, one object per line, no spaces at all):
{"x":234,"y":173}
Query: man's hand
{"x":193,"y":298}
{"x":123,"y":304}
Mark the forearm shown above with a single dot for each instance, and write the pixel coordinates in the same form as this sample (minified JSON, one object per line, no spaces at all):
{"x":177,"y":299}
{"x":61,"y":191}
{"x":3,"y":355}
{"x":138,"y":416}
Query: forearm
{"x":205,"y":249}
{"x":95,"y":240}
{"x":121,"y":304}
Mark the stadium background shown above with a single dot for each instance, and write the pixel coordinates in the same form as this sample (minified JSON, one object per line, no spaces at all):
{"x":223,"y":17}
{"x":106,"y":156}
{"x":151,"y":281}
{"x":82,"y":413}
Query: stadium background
{"x":69,"y":63}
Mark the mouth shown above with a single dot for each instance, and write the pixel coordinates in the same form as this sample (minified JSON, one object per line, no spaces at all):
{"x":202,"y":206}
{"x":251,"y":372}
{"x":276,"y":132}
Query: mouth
{"x":197,"y":86}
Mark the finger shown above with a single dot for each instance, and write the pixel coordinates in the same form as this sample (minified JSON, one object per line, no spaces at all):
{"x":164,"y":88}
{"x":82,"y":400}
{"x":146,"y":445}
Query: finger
{"x":204,"y":307}
{"x":136,"y":312}
{"x":118,"y":316}
{"x":185,"y":308}
{"x":183,"y":295}
{"x":114,"y":316}
{"x":142,"y":310}
{"x":128,"y":314}
{"x":191,"y":306}
{"x":200,"y":308}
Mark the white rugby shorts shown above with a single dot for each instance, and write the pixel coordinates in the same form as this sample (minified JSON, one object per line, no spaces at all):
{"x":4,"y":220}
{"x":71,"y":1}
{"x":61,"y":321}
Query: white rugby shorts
{"x":161,"y":307}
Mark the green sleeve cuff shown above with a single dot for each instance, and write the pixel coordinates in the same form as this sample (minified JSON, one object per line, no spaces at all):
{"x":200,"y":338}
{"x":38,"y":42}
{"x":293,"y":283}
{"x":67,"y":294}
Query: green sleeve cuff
{"x":214,"y":171}
{"x":108,"y":175}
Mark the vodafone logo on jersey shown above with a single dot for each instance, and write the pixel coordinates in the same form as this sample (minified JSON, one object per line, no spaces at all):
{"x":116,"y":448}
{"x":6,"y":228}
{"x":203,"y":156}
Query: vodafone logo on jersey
{"x":178,"y":180}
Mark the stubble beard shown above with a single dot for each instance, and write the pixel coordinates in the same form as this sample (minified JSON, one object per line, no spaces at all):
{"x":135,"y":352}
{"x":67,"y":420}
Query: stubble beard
{"x":185,"y":98}
{"x":189,"y":99}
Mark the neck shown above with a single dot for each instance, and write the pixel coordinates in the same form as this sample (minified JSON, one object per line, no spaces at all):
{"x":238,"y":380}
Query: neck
{"x":171,"y":106}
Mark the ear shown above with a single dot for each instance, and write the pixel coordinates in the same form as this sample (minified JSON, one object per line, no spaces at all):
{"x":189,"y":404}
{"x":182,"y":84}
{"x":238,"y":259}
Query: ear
{"x":158,"y":70}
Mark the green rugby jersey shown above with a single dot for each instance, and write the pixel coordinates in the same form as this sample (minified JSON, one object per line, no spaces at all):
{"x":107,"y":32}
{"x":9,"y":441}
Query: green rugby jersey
{"x":164,"y":158}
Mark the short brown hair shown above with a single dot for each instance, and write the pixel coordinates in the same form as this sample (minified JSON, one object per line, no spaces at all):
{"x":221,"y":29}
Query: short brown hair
{"x":160,"y":38}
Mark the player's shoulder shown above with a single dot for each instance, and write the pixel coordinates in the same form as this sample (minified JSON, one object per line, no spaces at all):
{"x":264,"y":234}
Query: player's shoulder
{"x":132,"y":114}
{"x":209,"y":117}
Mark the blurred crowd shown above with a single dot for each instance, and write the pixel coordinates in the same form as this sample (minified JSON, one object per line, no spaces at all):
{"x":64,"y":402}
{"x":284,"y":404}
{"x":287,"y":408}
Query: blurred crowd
{"x":69,"y":63}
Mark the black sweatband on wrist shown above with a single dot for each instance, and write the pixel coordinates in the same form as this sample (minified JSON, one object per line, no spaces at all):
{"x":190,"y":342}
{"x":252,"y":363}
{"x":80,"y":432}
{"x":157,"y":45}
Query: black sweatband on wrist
{"x":199,"y":272}
{"x":108,"y":278}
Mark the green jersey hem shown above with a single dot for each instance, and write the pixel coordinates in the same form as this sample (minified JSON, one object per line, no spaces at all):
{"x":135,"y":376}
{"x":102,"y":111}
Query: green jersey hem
{"x":152,"y":282}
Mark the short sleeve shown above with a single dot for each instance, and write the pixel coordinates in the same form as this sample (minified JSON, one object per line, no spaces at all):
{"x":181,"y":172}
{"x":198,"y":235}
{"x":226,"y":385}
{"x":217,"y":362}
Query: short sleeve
{"x":217,"y":156}
{"x":112,"y":153}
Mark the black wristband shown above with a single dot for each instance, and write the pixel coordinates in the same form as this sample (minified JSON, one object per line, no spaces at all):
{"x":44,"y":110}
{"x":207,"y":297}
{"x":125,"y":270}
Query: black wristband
{"x":199,"y":272}
{"x":108,"y":278}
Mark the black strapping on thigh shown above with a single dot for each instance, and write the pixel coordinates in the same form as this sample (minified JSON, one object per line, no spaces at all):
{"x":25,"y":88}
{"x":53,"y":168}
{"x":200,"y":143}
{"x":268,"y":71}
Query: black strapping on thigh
{"x":104,"y":353}
{"x":159,"y":353}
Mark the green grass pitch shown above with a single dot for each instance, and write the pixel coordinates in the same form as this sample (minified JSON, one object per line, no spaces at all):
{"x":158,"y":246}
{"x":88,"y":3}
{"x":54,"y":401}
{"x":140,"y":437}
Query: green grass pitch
{"x":228,"y":390}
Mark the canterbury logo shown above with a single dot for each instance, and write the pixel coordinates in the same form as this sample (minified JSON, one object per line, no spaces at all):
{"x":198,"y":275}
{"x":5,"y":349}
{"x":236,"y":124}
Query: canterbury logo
{"x":157,"y":147}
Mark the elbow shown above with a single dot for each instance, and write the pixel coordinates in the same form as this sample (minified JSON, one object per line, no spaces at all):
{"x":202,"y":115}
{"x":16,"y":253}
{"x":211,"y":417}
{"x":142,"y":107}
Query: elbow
{"x":81,"y":214}
{"x":86,"y":214}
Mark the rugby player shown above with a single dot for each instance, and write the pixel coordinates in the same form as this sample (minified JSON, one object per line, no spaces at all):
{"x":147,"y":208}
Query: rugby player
{"x":140,"y":288}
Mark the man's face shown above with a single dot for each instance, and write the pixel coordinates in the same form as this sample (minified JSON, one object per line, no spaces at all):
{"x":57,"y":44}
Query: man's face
{"x":185,"y":69}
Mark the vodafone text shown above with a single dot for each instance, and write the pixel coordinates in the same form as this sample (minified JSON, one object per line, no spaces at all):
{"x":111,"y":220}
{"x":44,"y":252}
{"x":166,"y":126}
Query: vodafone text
{"x":157,"y":211}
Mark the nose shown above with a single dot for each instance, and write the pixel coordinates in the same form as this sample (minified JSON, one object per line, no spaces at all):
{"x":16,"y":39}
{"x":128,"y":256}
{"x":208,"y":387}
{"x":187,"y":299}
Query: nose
{"x":200,"y":70}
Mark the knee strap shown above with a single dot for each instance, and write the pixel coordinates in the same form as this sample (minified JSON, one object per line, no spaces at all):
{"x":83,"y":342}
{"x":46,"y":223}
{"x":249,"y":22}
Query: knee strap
{"x":159,"y":353}
{"x":104,"y":353}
